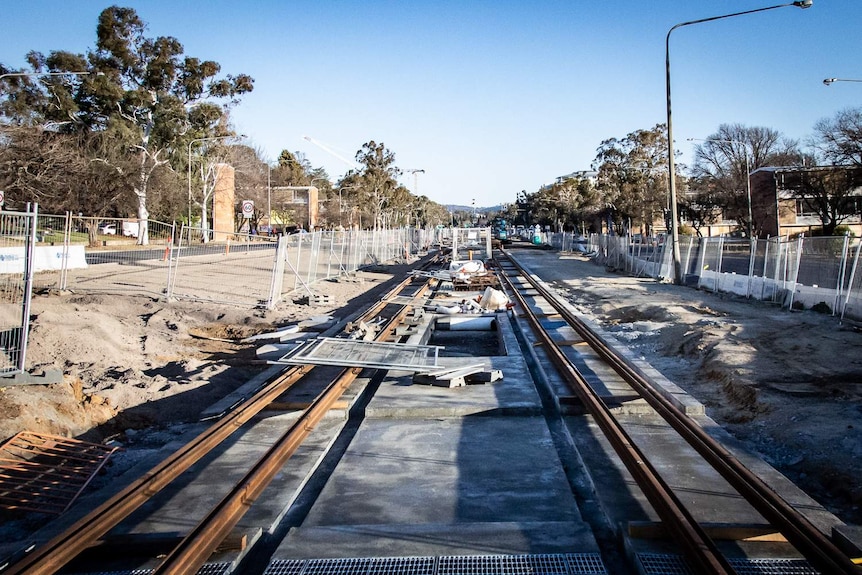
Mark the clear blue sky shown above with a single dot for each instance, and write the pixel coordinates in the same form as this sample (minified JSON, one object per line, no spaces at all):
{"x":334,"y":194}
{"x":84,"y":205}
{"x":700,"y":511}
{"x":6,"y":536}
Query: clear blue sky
{"x":489,"y":97}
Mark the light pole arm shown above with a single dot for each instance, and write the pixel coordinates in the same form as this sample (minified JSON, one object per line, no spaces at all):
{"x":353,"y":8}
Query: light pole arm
{"x":677,"y":264}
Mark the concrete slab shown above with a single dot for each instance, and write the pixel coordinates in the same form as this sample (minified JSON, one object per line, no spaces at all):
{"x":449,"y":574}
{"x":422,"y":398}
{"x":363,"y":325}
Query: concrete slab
{"x":454,"y":470}
{"x":399,"y":397}
{"x":180,"y":508}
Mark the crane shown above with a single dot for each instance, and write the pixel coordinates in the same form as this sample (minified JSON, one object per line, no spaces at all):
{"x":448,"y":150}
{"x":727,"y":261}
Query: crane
{"x":325,"y":148}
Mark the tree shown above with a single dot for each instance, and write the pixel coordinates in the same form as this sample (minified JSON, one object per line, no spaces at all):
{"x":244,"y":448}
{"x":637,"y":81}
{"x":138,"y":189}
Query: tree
{"x":632,"y":177}
{"x":830,"y":192}
{"x":839,"y":140}
{"x":378,"y":179}
{"x":143,"y":96}
{"x":723,"y":162}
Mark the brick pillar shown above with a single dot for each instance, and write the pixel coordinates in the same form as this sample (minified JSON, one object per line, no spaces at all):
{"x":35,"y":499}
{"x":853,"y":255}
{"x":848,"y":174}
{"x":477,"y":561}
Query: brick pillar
{"x":224,"y":211}
{"x":313,"y":208}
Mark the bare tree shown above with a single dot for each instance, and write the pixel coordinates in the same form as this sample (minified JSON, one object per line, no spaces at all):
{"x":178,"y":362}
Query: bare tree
{"x":839,"y":139}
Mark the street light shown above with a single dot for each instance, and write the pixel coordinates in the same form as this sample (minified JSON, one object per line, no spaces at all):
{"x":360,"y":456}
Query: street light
{"x":677,"y":264}
{"x":830,"y":81}
{"x":190,"y":164}
{"x":747,"y":175}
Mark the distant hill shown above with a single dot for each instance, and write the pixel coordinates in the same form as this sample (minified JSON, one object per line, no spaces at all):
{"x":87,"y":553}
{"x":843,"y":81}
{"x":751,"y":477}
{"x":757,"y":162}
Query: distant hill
{"x":457,"y":208}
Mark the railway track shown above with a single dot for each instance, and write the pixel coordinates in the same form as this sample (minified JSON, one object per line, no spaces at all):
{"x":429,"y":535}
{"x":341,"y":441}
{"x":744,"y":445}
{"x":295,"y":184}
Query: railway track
{"x":535,"y":300}
{"x":495,"y":487}
{"x":197,"y":546}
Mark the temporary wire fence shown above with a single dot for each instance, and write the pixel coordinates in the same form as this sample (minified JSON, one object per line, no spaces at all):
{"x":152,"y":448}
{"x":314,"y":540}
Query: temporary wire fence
{"x":799,"y":273}
{"x":180,"y":262}
{"x":17,"y":253}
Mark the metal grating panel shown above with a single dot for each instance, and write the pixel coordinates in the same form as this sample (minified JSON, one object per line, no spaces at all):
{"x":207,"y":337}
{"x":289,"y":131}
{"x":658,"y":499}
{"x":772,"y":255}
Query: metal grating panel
{"x":675,"y":565}
{"x":351,"y":566}
{"x":569,"y":564}
{"x":403,"y":566}
{"x":208,"y":569}
{"x":358,"y":353}
{"x":773,"y":567}
{"x":285,"y":567}
{"x":46,"y":473}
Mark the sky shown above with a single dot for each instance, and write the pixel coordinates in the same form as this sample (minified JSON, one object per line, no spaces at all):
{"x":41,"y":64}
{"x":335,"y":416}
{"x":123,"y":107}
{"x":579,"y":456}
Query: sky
{"x":489,"y":97}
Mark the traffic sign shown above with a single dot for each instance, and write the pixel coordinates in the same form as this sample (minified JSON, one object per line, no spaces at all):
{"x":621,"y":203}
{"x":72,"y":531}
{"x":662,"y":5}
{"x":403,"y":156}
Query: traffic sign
{"x":247,"y":208}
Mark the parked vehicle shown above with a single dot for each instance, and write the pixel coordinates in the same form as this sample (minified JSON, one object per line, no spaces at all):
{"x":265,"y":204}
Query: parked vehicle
{"x":130,"y":229}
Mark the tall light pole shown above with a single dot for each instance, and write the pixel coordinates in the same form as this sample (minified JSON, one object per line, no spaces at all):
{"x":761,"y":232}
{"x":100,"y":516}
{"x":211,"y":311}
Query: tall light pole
{"x":747,"y":175}
{"x":269,"y":196}
{"x":190,"y":164}
{"x":415,"y":173}
{"x":677,"y":264}
{"x":830,"y":81}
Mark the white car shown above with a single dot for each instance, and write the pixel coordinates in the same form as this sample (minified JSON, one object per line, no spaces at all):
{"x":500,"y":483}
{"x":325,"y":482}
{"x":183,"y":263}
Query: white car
{"x":108,"y":229}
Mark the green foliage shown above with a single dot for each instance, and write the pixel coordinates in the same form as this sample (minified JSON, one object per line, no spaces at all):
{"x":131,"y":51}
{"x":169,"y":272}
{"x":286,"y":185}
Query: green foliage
{"x":137,"y":111}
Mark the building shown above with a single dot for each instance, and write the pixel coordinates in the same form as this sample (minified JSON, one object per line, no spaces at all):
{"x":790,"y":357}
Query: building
{"x":787,"y":201}
{"x":590,"y":175}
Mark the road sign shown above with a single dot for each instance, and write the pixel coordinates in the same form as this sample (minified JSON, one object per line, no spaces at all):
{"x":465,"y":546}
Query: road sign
{"x":247,"y":208}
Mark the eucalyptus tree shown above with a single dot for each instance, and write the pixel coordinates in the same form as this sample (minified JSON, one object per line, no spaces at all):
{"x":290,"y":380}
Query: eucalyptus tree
{"x":377,"y":180}
{"x":632,"y":177}
{"x":143,"y":103}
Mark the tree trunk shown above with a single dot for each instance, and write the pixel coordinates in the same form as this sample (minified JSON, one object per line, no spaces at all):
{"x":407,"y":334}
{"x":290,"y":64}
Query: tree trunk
{"x":141,"y":193}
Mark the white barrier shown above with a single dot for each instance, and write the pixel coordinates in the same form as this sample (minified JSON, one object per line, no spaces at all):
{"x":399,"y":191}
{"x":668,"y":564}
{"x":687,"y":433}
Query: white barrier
{"x":45,"y":258}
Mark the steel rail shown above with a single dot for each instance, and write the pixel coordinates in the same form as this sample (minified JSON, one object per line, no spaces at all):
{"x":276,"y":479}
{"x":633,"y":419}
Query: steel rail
{"x":698,"y":547}
{"x":194,"y":550}
{"x":796,"y":527}
{"x":53,"y":555}
{"x":60,"y":550}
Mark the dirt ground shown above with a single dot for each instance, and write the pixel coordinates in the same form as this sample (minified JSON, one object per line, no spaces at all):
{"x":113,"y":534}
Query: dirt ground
{"x":120,"y":355}
{"x":787,"y":383}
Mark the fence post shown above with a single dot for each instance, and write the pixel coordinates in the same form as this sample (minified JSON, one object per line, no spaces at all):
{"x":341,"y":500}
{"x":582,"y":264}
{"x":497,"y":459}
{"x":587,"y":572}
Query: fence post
{"x":277,"y":281}
{"x":64,"y":265}
{"x":752,"y":249}
{"x":29,"y":269}
{"x":842,"y":270}
{"x":720,"y":261}
{"x":799,"y":244}
{"x":701,"y":257}
{"x":852,"y":277}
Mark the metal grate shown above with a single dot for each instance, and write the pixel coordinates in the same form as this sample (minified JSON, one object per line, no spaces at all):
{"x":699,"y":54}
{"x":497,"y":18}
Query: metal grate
{"x":568,"y":564}
{"x":46,"y":473}
{"x":357,"y":353}
{"x":208,"y":569}
{"x":675,"y":565}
